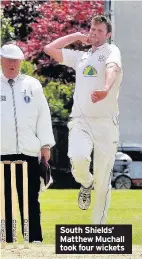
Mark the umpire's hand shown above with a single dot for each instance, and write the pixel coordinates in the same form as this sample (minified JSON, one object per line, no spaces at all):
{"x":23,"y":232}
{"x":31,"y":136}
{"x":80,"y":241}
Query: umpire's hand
{"x":45,"y":152}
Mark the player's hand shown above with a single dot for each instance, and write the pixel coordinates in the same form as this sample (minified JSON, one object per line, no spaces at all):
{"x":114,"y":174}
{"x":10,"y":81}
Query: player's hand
{"x":98,"y":95}
{"x":83,"y":38}
{"x":45,"y":152}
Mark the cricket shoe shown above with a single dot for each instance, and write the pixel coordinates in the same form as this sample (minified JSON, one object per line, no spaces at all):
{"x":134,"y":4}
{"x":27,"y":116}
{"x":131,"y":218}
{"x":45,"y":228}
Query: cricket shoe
{"x":37,"y":242}
{"x":45,"y":175}
{"x":84,"y":197}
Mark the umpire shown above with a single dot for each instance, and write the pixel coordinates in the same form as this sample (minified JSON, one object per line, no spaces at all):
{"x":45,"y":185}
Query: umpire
{"x":26,"y":130}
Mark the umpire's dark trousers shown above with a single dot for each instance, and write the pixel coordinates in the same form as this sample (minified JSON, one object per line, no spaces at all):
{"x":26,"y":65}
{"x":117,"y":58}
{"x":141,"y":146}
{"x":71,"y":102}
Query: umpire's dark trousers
{"x":35,"y":233}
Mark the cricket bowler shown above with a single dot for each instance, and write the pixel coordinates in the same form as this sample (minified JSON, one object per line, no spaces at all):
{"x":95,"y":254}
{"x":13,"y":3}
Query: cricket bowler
{"x":93,"y":121}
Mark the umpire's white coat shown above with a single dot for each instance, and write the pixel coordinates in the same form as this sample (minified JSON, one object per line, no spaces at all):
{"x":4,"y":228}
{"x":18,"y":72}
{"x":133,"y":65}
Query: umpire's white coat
{"x":25,"y":117}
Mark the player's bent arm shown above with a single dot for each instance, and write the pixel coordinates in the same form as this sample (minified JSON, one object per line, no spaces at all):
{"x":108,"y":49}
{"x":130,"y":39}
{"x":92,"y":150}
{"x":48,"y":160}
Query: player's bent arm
{"x":112,"y":69}
{"x":54,"y":53}
{"x":54,"y":48}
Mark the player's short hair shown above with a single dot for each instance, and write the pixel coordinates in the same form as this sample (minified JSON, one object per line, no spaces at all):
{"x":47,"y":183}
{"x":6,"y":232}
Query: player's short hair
{"x":99,"y":18}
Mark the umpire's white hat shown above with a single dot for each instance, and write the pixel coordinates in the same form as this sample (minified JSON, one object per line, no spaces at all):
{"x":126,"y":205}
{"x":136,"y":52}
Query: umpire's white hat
{"x":11,"y":51}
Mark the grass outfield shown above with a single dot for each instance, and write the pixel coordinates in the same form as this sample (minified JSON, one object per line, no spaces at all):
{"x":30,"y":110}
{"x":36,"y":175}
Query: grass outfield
{"x":60,"y":207}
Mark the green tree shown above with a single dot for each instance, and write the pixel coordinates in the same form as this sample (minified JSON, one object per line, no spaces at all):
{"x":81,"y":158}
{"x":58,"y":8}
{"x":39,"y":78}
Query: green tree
{"x":7,"y":31}
{"x":29,"y":68}
{"x":59,"y":97}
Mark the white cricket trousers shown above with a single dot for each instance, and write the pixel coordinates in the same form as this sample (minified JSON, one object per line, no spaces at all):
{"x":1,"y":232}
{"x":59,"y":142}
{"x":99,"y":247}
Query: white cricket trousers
{"x":100,"y":134}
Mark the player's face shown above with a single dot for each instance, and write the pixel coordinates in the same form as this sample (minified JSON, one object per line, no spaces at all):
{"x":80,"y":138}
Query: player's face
{"x":10,"y":67}
{"x":98,"y":34}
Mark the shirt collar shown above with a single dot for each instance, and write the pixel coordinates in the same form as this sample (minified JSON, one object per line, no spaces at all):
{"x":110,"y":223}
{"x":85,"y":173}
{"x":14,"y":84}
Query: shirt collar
{"x":99,"y":48}
{"x":5,"y":79}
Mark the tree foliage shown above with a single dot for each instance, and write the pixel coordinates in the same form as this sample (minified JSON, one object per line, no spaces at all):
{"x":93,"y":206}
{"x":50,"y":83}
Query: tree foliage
{"x":59,"y":97}
{"x":21,"y":14}
{"x":7,"y":31}
{"x":28,"y":68}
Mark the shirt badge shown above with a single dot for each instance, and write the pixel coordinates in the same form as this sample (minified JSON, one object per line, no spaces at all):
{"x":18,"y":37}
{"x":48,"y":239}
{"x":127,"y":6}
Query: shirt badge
{"x":27,"y":99}
{"x":2,"y":98}
{"x":101,"y":58}
{"x":90,"y":71}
